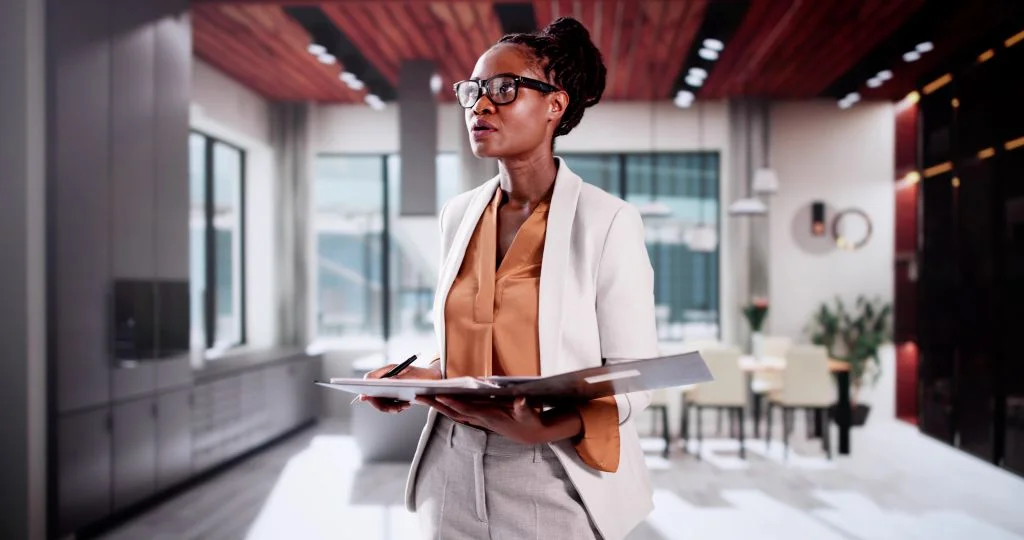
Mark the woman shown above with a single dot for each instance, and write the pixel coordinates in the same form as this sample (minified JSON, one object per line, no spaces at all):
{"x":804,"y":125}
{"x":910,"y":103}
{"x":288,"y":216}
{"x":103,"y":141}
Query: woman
{"x":541,"y":274}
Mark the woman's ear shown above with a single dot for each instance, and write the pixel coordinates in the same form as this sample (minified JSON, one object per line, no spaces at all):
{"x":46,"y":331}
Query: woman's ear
{"x":557,"y":103}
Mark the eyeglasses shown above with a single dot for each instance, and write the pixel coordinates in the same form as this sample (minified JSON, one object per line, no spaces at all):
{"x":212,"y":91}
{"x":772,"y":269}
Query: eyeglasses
{"x":501,"y":89}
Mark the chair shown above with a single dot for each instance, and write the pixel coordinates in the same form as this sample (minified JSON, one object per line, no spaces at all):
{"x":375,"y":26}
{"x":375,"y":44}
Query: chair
{"x":661,"y":398}
{"x":765,"y":381}
{"x":727,"y":392}
{"x":806,"y":384}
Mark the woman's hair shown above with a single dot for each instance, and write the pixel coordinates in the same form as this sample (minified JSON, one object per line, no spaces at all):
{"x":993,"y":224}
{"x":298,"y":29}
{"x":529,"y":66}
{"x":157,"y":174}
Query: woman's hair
{"x":570,"y":61}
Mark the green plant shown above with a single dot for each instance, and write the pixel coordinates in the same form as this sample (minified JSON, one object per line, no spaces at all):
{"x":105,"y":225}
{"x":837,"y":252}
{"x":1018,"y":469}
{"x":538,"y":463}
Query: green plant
{"x":854,"y":336}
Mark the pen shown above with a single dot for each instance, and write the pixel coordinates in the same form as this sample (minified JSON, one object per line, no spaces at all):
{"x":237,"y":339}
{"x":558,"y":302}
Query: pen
{"x":394,"y":371}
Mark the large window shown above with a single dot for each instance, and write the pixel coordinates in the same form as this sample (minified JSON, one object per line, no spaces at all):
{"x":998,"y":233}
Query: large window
{"x":374,"y":277}
{"x":216,"y":233}
{"x":676,"y":193}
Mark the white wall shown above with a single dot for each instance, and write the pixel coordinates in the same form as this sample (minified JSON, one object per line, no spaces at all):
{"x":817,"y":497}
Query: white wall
{"x":844,"y":158}
{"x":358,"y":129}
{"x":223,"y":108}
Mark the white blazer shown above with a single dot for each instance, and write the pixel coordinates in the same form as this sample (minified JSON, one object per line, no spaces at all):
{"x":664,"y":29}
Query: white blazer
{"x":596,"y":302}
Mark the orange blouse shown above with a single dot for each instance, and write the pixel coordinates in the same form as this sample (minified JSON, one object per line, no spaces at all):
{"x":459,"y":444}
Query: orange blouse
{"x":491,"y":323}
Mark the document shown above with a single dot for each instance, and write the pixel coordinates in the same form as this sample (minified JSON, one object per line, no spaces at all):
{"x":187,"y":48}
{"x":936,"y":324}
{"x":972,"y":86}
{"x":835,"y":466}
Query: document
{"x":615,"y":377}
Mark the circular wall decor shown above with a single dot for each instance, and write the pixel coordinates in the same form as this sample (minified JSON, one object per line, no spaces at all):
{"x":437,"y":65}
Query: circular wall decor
{"x":851,"y":229}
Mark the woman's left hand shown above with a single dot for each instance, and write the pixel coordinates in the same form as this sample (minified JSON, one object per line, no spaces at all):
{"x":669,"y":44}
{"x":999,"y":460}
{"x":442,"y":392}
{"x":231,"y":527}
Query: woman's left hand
{"x":514,"y":420}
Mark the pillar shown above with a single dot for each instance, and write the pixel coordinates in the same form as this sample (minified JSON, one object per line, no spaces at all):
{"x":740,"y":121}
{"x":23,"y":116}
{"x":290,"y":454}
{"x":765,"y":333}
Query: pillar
{"x":22,"y":269}
{"x":417,"y":139}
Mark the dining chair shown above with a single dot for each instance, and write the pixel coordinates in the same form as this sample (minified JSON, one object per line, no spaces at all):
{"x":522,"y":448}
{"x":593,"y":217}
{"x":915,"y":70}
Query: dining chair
{"x":727,"y":392}
{"x":765,"y":381}
{"x":806,"y":384}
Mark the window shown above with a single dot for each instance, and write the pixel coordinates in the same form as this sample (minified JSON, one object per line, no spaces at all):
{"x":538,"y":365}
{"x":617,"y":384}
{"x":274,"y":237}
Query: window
{"x":675,"y":192}
{"x":216,"y":233}
{"x":375,"y":276}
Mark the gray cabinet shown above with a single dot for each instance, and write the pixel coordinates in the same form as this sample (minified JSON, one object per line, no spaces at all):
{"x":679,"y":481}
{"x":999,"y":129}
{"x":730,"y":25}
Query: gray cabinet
{"x":83,"y":468}
{"x":134,"y":451}
{"x":174,"y":437}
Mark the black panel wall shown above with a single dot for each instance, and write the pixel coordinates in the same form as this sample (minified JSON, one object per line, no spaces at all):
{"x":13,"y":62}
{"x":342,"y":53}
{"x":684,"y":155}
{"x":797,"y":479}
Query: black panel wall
{"x":971,"y":383}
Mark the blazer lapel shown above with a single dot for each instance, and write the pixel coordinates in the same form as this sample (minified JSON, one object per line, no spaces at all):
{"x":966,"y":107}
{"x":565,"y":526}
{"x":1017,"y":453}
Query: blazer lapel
{"x":453,"y":260}
{"x":554,"y":269}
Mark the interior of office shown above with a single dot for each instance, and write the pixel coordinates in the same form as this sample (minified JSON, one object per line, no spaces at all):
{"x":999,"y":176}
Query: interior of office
{"x":209,"y":204}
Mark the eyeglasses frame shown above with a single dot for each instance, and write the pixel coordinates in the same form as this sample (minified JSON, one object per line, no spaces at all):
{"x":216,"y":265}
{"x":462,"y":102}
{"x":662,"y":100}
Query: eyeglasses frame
{"x":519,"y":80}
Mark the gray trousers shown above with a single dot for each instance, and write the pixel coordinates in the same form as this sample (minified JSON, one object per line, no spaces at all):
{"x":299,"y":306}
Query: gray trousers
{"x":477,"y":485}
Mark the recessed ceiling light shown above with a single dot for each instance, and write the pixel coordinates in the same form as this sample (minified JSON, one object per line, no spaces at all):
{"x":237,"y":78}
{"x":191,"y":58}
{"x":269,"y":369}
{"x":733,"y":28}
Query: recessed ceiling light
{"x":843,"y":104}
{"x":356,"y":84}
{"x":925,"y":46}
{"x":714,"y":44}
{"x":316,"y":49}
{"x":708,"y":54}
{"x":874,"y":83}
{"x":684,"y":98}
{"x":435,"y":83}
{"x":374,"y":102}
{"x":884,"y":75}
{"x":327,"y":58}
{"x":698,"y":72}
{"x":852,"y":97}
{"x":911,"y":56}
{"x":347,"y":76}
{"x":694,"y":81}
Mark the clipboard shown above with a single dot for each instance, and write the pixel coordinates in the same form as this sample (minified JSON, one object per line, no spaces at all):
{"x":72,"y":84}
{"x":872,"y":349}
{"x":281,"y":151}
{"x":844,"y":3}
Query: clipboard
{"x":618,"y":377}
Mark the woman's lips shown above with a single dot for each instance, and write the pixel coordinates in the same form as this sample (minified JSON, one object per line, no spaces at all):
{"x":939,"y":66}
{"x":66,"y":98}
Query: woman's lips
{"x":482,"y":131}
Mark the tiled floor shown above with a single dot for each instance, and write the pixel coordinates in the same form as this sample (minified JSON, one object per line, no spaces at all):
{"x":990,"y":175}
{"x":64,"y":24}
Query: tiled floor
{"x":896,"y":485}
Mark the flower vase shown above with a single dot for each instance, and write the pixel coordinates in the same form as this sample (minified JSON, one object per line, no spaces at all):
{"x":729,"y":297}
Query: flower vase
{"x":757,"y":346}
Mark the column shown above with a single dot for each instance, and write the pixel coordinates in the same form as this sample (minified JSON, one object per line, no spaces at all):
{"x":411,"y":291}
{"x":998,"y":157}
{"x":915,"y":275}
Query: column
{"x":417,"y":139}
{"x":22,"y":268}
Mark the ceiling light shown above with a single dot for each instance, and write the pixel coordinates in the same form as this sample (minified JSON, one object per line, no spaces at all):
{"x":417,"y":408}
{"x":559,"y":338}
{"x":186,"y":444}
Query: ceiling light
{"x":698,"y":72}
{"x":356,"y":84}
{"x":684,"y":98}
{"x":852,"y":97}
{"x":843,"y":104}
{"x":316,"y":49}
{"x":708,"y":54}
{"x":374,"y":102}
{"x":911,"y":56}
{"x":748,"y":207}
{"x":348,"y":76}
{"x":694,"y":81}
{"x":714,"y":44}
{"x":765,"y":182}
{"x":884,"y":75}
{"x":874,"y":83}
{"x":435,"y":83}
{"x":326,"y":58}
{"x":925,"y":46}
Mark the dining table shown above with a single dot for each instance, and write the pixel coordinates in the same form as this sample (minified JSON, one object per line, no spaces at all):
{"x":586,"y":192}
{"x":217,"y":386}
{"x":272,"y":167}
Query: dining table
{"x":839,"y":369}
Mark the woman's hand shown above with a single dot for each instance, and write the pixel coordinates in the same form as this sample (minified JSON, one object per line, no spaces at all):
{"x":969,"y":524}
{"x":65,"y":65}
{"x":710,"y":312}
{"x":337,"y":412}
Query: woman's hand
{"x":514,"y":420}
{"x":391,"y":405}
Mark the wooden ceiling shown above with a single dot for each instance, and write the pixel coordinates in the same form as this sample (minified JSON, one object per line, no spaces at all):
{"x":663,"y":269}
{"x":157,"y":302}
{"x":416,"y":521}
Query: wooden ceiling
{"x":795,"y":49}
{"x":779,"y":49}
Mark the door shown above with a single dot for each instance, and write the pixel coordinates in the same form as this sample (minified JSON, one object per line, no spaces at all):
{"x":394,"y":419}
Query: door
{"x":174,"y":437}
{"x":134,"y":451}
{"x":83,"y":468}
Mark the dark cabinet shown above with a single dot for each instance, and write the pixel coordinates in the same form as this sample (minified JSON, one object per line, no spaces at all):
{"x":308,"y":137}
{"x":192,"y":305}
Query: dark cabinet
{"x":174,"y":437}
{"x":134,"y":451}
{"x":83,"y":468}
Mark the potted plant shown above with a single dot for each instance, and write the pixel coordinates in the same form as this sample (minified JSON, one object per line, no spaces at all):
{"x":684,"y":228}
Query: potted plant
{"x":756,"y":312}
{"x":854,"y":336}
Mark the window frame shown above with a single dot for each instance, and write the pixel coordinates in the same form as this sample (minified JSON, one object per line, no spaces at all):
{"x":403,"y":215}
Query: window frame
{"x":210,"y":244}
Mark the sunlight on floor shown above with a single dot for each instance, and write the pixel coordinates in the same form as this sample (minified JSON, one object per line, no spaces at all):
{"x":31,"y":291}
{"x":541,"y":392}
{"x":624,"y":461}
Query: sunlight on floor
{"x":314,"y":499}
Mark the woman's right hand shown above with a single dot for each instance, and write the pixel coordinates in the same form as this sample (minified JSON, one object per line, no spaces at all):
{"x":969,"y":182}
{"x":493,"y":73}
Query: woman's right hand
{"x":394,"y":406}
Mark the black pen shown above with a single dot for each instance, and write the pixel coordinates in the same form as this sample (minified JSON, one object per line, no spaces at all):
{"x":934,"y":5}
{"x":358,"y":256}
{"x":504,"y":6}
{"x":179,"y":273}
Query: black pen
{"x":394,"y":371}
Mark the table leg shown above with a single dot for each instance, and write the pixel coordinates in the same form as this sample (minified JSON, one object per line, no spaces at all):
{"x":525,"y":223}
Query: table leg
{"x":843,"y":411}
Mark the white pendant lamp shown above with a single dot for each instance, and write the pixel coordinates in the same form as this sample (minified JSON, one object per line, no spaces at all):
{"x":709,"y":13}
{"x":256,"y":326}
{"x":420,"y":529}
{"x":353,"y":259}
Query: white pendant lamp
{"x":766,"y":182}
{"x":749,"y":205}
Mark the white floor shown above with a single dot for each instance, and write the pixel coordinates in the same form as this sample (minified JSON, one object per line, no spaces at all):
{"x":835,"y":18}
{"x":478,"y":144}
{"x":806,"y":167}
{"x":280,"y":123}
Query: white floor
{"x":897,"y":484}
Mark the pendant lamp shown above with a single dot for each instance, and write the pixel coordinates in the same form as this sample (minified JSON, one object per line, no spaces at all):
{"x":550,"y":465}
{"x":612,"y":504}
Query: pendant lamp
{"x":749,"y":205}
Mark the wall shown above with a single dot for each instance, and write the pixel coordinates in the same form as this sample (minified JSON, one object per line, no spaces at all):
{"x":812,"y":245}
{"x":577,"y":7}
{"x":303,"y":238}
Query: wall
{"x":223,"y":108}
{"x":22,"y":269}
{"x":844,"y":158}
